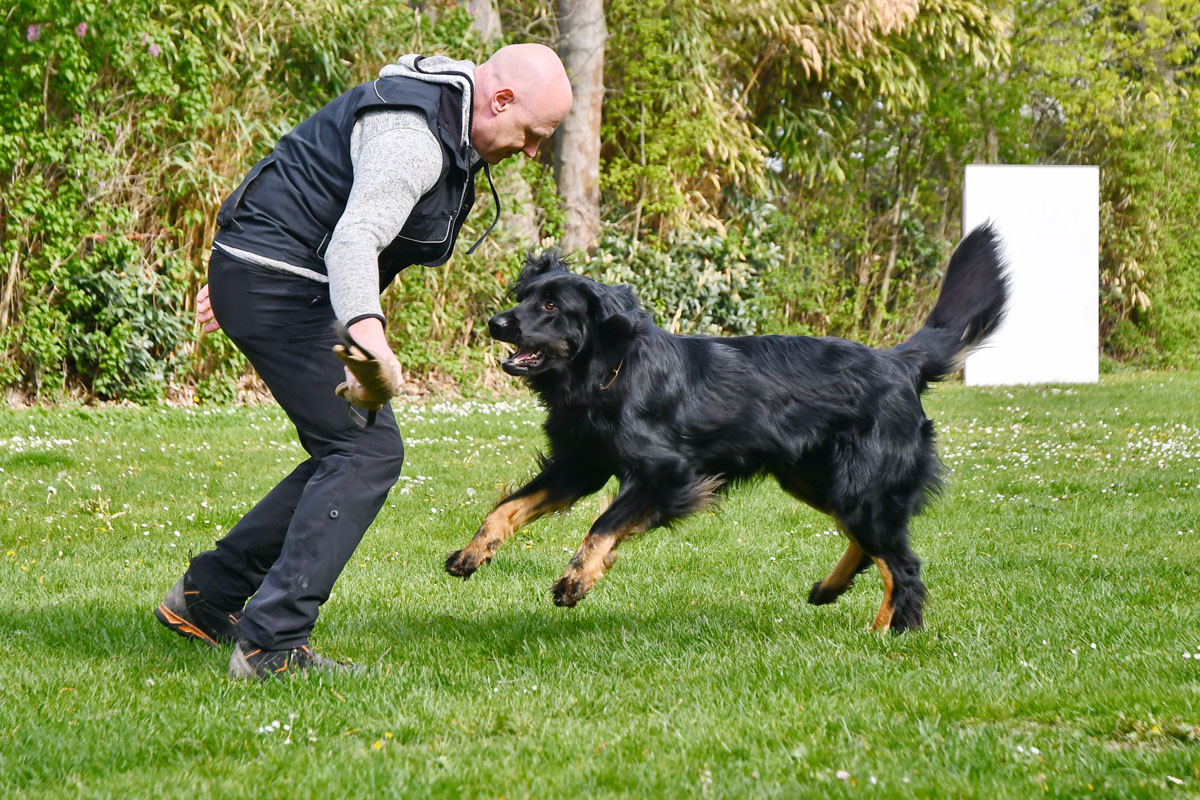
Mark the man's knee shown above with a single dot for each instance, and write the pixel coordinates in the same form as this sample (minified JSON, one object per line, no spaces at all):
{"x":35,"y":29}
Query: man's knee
{"x":385,"y":457}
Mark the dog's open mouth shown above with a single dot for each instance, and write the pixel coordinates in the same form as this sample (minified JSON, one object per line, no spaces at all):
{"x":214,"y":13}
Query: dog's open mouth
{"x":525,"y":359}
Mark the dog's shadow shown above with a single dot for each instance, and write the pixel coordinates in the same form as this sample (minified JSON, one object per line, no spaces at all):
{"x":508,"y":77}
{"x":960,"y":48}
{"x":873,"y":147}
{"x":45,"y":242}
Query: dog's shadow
{"x":603,"y":625}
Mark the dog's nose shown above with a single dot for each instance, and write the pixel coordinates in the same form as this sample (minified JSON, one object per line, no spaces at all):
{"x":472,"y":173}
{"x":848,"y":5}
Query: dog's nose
{"x":502,"y":325}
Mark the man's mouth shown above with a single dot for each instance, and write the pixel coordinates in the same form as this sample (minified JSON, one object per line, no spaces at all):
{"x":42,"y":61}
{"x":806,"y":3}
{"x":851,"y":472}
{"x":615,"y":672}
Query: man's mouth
{"x":526,"y":358}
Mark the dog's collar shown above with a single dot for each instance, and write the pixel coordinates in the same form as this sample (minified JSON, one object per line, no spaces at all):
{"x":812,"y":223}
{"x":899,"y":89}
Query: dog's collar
{"x":616,"y":371}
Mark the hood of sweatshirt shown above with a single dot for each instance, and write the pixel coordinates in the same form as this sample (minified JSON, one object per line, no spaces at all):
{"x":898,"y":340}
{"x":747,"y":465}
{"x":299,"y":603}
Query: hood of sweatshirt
{"x":440,"y":70}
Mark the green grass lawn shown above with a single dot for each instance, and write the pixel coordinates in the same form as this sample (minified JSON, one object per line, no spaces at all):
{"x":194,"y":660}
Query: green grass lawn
{"x":1061,"y":655}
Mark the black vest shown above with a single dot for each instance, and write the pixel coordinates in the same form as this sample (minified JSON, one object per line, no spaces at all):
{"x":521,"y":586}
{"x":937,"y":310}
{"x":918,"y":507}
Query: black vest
{"x":289,"y":203}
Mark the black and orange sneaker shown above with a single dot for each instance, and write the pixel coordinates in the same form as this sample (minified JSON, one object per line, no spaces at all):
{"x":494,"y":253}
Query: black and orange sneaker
{"x":185,"y":611}
{"x":251,"y":661}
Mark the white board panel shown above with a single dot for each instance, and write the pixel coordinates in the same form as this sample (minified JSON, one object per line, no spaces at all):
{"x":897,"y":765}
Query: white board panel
{"x":1050,"y":222}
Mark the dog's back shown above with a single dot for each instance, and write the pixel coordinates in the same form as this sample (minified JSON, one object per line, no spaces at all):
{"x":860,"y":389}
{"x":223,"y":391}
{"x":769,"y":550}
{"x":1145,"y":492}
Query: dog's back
{"x":970,"y":306}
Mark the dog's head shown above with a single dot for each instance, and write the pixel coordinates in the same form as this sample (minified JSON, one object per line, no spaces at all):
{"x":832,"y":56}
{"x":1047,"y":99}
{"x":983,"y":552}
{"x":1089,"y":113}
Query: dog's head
{"x":561,"y":316}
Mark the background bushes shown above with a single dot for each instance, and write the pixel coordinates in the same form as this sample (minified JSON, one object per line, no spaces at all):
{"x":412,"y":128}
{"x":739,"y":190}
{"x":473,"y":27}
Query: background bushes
{"x":124,"y":126}
{"x":783,"y":167}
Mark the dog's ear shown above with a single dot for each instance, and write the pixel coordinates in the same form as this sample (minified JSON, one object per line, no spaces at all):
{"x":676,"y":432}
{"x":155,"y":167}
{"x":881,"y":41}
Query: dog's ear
{"x":536,"y":266}
{"x":617,"y":312}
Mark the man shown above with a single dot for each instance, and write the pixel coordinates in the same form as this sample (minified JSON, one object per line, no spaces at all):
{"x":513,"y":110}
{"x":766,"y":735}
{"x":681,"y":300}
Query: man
{"x":379,"y":179}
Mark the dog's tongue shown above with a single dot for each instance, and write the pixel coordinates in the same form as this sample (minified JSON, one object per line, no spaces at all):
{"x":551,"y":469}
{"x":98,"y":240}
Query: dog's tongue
{"x":525,"y":355}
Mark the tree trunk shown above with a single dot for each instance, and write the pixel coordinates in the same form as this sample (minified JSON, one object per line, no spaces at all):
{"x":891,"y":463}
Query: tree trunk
{"x":485,"y":19}
{"x":577,"y":142}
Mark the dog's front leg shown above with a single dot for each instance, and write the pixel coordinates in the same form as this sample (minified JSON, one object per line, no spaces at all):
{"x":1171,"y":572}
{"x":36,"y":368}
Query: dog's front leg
{"x":557,"y":487}
{"x":624,"y":518}
{"x":505,"y":519}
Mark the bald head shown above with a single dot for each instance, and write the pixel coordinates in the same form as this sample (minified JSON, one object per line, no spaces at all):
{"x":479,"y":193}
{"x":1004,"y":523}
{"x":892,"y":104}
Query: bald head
{"x":522,"y":93}
{"x":532,"y":70}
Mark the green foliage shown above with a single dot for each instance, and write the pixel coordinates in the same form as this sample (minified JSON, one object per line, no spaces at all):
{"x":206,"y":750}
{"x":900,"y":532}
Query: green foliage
{"x":118,"y":329}
{"x":675,"y":126}
{"x":218,"y":364}
{"x":837,"y":95}
{"x":871,"y":162}
{"x":1114,"y":84}
{"x":695,"y":280}
{"x":92,"y":289}
{"x":663,"y":131}
{"x":125,"y":125}
{"x":855,"y":75}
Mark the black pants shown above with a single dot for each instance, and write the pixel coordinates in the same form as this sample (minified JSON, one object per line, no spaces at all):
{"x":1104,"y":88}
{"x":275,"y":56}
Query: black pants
{"x":289,"y":549}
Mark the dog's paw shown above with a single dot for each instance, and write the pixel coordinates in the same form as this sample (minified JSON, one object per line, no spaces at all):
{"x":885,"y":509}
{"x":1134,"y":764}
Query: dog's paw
{"x":462,"y":564}
{"x":910,"y":622}
{"x":567,"y":592}
{"x":820,"y":597}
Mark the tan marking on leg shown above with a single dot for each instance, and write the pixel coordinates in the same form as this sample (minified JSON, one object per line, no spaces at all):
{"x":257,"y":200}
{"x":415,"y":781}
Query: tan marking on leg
{"x":593,"y":558}
{"x":508,"y":518}
{"x":504,"y":520}
{"x":843,"y":572}
{"x":596,"y":554}
{"x":883,"y":620}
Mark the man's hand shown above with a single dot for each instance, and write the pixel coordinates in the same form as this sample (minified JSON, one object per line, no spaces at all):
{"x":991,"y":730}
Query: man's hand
{"x":371,"y":381}
{"x":204,"y":313}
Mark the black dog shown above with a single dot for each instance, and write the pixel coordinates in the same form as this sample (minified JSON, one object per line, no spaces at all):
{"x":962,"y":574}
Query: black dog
{"x":677,"y":418}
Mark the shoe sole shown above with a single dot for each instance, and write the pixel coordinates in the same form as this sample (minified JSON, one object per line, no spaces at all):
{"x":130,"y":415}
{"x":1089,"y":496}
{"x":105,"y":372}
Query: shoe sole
{"x":181,"y":626}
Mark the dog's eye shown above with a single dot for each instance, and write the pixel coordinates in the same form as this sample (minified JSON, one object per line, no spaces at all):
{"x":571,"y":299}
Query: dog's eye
{"x":549,"y":305}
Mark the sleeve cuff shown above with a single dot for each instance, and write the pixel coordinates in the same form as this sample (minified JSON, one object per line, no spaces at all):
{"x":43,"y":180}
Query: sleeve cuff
{"x":361,"y":317}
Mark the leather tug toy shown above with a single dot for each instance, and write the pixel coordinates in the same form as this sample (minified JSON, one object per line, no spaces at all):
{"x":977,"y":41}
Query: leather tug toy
{"x":362,"y":417}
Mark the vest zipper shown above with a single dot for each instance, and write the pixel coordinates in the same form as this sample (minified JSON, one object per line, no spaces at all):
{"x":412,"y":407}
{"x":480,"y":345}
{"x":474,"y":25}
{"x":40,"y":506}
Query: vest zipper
{"x":450,"y":228}
{"x":470,"y":103}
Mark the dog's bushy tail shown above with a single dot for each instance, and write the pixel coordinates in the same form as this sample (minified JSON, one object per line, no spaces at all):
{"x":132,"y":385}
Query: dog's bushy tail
{"x":971,"y":305}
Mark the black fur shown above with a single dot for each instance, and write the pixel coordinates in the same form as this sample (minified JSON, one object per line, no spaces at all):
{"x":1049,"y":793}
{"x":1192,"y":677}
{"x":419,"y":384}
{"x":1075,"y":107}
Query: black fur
{"x":840,"y":425}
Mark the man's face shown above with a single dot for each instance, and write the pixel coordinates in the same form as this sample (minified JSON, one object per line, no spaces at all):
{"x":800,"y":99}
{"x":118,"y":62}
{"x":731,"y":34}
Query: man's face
{"x":507,"y":128}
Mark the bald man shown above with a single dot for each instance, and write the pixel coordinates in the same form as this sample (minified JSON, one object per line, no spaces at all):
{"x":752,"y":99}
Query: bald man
{"x":379,"y":179}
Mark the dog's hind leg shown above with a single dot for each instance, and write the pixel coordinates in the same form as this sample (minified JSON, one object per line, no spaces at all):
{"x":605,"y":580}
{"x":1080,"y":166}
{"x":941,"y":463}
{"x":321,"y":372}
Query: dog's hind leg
{"x":882,"y":533}
{"x":595,"y":555}
{"x":801,"y":484}
{"x":841,"y":578}
{"x":903,"y":592}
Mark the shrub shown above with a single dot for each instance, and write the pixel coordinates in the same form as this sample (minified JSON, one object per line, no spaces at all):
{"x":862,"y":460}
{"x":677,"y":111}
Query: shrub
{"x":695,"y":280}
{"x":125,"y":125}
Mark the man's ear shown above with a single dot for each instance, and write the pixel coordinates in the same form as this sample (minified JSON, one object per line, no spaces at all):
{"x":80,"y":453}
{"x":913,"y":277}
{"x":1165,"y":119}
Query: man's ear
{"x":536,"y":266}
{"x":502,"y":99}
